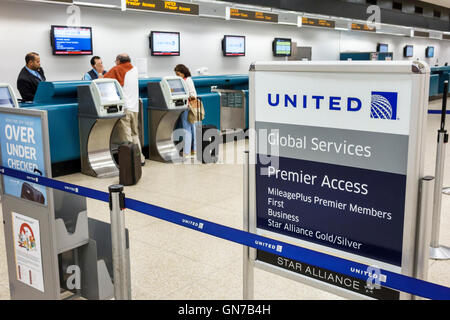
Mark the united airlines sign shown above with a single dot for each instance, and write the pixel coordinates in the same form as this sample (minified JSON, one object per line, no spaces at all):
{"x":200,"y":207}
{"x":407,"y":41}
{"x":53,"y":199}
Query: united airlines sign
{"x":383,"y":104}
{"x":336,"y":161}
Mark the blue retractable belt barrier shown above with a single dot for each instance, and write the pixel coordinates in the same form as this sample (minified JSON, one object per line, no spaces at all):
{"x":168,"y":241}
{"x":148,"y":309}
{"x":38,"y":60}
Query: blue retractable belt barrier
{"x":437,"y":112}
{"x":392,"y":280}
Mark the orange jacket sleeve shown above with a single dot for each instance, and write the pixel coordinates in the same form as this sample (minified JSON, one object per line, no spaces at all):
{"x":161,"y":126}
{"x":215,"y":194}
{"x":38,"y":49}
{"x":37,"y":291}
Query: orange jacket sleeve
{"x":114,"y":74}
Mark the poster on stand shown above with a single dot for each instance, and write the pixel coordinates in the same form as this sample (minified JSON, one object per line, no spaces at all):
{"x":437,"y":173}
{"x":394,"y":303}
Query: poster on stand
{"x":27,"y":249}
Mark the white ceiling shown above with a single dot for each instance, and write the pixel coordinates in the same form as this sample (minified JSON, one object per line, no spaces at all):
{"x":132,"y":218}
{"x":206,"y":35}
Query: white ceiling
{"x":442,"y":3}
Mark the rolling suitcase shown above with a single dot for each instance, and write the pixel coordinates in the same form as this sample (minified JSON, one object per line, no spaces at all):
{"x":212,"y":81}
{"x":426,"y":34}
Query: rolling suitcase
{"x":208,"y":143}
{"x":130,"y":169}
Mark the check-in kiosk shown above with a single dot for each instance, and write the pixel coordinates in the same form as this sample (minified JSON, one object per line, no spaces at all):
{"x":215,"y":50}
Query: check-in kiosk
{"x":101,"y":105}
{"x":167,"y":99}
{"x":7,"y":96}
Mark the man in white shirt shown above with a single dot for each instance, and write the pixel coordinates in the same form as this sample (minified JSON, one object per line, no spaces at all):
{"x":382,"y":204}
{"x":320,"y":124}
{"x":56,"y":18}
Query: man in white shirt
{"x":128,"y":77}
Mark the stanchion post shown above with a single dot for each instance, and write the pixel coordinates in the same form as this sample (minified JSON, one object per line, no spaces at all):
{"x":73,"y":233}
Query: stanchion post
{"x":248,"y":274}
{"x":436,"y":251}
{"x":118,"y":238}
{"x":424,"y":229}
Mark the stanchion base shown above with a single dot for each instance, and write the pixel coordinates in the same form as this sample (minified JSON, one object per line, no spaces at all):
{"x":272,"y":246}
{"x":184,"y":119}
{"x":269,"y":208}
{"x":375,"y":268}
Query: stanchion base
{"x":446,"y":191}
{"x":440,"y":253}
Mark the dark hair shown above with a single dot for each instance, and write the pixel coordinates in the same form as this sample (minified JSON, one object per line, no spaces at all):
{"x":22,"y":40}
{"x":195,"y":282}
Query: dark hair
{"x":182,"y":69}
{"x":93,"y":60}
{"x":30,"y":57}
{"x":123,"y":58}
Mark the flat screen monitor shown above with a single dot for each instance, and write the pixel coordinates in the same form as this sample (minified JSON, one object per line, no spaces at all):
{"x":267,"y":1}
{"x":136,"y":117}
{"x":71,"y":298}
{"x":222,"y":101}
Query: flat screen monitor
{"x":176,"y":87}
{"x":71,"y":40}
{"x":233,"y":46}
{"x":281,"y":47}
{"x":108,"y":92}
{"x":408,"y":51}
{"x":429,"y":53}
{"x":382,"y":47}
{"x":7,"y":97}
{"x":165,"y":43}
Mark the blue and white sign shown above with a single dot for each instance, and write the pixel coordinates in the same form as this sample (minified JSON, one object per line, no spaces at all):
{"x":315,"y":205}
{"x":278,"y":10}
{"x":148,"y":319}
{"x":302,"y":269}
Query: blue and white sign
{"x":384,"y":105}
{"x":21,"y":143}
{"x":335,"y":154}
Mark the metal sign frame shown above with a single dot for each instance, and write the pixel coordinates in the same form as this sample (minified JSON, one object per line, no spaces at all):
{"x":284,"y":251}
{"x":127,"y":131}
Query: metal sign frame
{"x":417,"y":71}
{"x":43,"y":213}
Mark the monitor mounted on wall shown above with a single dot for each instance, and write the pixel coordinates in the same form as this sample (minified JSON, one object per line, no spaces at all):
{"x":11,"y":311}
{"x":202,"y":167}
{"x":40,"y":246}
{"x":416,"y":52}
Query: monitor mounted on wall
{"x":71,"y":41}
{"x":408,"y":51}
{"x":282,"y":47}
{"x":382,"y":47}
{"x":164,"y":43}
{"x":233,"y":46}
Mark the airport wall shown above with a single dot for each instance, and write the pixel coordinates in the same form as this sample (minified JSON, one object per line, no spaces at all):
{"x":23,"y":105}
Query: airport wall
{"x":25,"y":27}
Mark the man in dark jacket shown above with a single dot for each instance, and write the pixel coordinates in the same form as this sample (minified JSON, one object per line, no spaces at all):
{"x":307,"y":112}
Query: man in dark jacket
{"x":30,"y":76}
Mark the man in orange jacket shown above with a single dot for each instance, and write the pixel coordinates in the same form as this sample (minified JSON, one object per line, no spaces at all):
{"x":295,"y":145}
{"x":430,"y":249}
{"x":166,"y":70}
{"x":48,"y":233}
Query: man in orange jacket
{"x":127,"y":75}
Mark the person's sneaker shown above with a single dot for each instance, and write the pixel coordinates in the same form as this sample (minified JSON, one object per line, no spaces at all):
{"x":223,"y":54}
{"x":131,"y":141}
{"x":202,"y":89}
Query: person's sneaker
{"x":193,"y":153}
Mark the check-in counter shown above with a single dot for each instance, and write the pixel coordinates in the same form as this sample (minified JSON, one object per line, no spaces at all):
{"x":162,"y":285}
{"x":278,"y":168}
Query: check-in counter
{"x":59,"y":99}
{"x":361,"y":56}
{"x":434,"y":85}
{"x":443,"y":74}
{"x":209,"y":88}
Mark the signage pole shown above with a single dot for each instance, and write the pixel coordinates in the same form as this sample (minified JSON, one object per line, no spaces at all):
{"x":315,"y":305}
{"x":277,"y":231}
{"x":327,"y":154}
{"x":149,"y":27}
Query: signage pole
{"x":424,"y":229}
{"x":439,"y":252}
{"x":248,"y":275}
{"x":446,"y":190}
{"x":120,"y":266}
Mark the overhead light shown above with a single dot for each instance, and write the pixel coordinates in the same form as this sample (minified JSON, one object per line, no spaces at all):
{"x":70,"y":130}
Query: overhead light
{"x":227,"y":13}
{"x":93,"y":4}
{"x":286,"y":23}
{"x":299,"y":21}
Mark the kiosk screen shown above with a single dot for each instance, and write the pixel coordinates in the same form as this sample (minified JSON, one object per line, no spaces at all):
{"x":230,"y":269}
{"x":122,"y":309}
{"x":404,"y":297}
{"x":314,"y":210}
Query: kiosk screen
{"x":176,"y":87}
{"x":108,"y":92}
{"x":6,"y":100}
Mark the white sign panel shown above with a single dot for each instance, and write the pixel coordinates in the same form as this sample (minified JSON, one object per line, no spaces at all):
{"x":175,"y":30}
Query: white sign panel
{"x":27,"y":247}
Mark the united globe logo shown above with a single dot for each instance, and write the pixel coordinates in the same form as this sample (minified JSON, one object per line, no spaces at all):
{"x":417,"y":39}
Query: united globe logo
{"x":384,"y":105}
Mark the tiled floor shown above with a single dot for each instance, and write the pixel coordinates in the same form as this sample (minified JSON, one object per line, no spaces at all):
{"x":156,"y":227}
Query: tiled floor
{"x":171,"y":262}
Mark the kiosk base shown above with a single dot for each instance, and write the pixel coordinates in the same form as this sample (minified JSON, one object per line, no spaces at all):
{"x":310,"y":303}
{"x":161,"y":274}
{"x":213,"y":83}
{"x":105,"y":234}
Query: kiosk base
{"x":96,"y":156}
{"x":161,"y":125}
